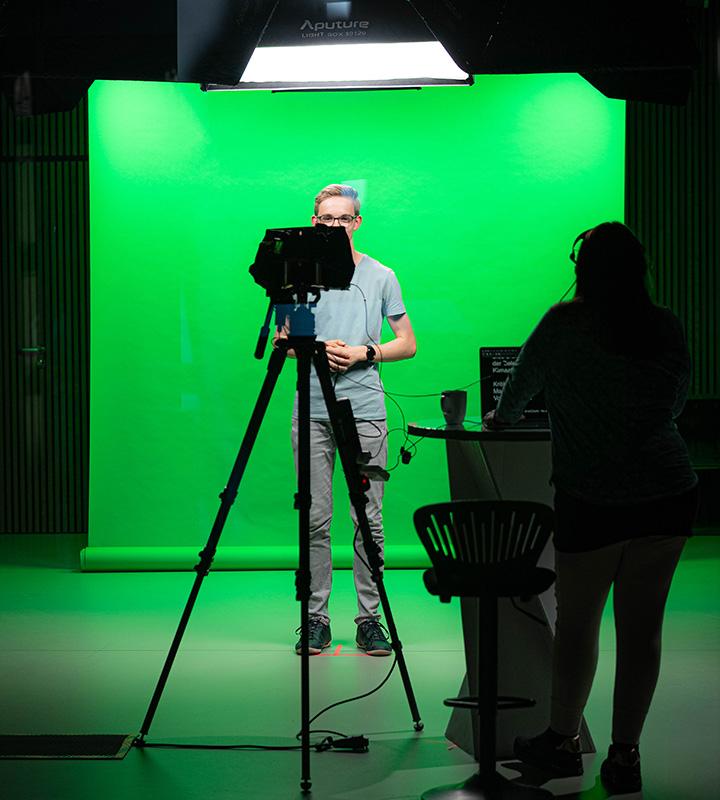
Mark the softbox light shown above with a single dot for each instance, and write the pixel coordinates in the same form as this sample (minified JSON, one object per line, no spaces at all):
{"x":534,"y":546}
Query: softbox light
{"x":353,"y":44}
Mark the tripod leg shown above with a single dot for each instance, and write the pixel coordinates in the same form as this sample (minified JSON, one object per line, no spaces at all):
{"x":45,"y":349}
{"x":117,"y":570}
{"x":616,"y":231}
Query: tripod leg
{"x":227,"y":498}
{"x":346,"y":437}
{"x":371,"y":550}
{"x":302,"y":503}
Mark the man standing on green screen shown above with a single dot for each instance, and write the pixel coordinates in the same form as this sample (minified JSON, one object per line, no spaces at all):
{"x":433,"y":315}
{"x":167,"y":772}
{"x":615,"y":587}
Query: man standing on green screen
{"x":350,"y":324}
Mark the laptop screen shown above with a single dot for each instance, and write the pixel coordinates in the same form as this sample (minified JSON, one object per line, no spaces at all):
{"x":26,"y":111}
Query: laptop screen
{"x":495,"y":366}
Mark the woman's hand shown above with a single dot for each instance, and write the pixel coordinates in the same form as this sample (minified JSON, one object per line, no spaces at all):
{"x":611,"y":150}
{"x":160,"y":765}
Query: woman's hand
{"x":488,"y":421}
{"x":491,"y":421}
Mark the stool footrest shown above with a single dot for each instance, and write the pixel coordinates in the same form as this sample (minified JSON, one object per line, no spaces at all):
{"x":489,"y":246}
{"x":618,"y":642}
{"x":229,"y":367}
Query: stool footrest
{"x":504,"y":702}
{"x":508,"y":701}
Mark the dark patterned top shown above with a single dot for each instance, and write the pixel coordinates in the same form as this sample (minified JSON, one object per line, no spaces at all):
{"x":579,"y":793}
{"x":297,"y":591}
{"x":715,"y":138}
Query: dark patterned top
{"x":614,"y":439}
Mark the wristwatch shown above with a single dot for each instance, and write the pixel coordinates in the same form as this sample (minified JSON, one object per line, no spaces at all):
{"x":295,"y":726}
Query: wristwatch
{"x":370,"y":353}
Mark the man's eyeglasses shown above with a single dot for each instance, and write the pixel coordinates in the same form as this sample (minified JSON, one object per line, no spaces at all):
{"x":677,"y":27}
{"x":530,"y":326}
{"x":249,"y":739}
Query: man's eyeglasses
{"x":343,"y":219}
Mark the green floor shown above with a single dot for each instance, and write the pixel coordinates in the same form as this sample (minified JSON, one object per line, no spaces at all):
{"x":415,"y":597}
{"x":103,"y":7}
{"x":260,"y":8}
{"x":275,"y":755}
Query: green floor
{"x":81,"y":654}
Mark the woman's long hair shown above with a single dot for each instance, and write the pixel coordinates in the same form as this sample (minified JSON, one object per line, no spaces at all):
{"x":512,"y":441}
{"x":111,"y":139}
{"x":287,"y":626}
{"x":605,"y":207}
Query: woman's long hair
{"x":612,"y":273}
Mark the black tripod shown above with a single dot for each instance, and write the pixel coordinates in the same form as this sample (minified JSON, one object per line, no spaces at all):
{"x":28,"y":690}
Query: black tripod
{"x":308,"y":351}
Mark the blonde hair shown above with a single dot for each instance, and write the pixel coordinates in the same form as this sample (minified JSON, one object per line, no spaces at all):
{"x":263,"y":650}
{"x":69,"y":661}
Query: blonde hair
{"x":338,"y":190}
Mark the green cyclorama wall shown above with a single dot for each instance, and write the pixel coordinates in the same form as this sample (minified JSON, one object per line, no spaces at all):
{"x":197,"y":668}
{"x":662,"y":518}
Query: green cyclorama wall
{"x":472,"y":195}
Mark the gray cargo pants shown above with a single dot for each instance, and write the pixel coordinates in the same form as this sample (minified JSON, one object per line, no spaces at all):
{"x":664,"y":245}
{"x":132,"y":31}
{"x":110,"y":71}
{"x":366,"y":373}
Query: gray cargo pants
{"x":373,"y":439}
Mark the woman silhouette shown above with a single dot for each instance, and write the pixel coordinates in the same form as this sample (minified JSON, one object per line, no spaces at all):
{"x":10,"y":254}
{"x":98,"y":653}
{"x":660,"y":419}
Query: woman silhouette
{"x":615,"y":371}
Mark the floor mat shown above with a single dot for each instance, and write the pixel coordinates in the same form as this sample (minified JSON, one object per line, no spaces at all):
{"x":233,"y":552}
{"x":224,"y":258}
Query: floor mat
{"x":112,"y":745}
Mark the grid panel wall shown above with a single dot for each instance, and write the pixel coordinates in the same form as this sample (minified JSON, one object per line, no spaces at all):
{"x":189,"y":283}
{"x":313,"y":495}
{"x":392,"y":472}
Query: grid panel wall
{"x":44,"y":321}
{"x":672,"y":187}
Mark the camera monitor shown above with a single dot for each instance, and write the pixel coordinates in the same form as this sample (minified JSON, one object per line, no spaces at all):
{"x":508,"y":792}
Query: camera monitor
{"x":298,"y":261}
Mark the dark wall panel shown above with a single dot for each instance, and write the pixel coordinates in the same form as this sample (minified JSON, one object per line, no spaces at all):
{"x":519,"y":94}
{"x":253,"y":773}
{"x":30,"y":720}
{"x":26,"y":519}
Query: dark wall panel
{"x":672,"y":187}
{"x":44,"y":321}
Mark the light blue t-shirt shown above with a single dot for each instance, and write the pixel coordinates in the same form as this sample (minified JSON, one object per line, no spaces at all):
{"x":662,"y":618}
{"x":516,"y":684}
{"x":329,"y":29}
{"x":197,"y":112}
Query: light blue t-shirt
{"x":355,"y":316}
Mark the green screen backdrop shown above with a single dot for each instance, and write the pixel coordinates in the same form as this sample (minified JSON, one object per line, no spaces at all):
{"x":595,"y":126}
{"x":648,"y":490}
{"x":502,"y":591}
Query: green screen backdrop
{"x":472,"y":195}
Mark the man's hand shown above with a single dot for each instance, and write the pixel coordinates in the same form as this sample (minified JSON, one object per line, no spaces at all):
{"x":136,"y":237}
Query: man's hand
{"x":341,"y":356}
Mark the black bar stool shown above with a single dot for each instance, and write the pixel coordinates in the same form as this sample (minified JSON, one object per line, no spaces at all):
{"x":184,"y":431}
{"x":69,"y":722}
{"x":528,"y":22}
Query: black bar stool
{"x":486,"y":549}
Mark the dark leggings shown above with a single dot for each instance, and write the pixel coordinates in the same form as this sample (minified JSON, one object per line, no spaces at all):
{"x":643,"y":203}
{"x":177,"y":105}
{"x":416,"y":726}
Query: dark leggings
{"x":640,"y":572}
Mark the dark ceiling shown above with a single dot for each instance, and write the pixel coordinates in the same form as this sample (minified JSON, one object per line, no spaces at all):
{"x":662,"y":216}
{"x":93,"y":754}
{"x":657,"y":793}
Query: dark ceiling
{"x":636,"y":49}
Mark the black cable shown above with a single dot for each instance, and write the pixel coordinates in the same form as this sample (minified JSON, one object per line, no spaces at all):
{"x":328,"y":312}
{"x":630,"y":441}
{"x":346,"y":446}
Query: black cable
{"x":352,"y":699}
{"x":406,"y":453}
{"x":380,"y":363}
{"x":567,"y":291}
{"x":360,"y":696}
{"x":403,"y":427}
{"x":401,"y":394}
{"x":359,"y":288}
{"x":436,"y":394}
{"x":367,"y":332}
{"x":380,"y":434}
{"x":322,"y":730}
{"x":408,"y":445}
{"x":325,"y":744}
{"x":355,"y":548}
{"x":382,"y":437}
{"x":354,"y":744}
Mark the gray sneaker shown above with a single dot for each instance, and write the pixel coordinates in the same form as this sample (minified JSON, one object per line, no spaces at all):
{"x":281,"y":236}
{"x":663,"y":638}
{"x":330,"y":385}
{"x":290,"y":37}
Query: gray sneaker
{"x":371,"y":637}
{"x":319,"y":636}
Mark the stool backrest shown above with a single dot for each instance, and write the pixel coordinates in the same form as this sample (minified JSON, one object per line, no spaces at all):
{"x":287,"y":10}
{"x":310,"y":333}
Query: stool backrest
{"x":483,"y":533}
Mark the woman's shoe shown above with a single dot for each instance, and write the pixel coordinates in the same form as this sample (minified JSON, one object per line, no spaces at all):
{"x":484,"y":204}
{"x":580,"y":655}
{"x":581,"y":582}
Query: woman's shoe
{"x":620,"y":772}
{"x":551,"y":752}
